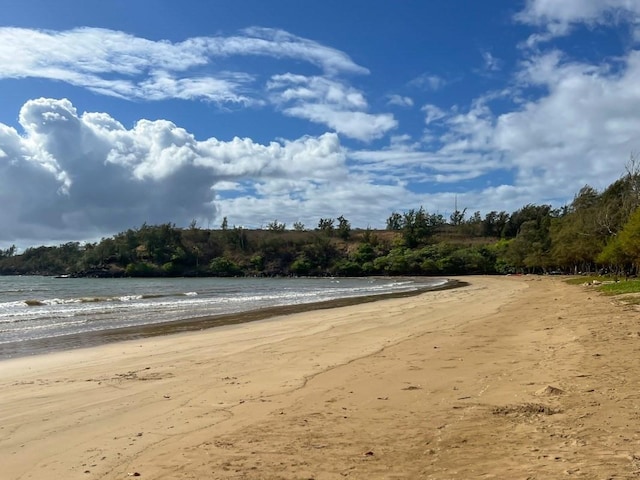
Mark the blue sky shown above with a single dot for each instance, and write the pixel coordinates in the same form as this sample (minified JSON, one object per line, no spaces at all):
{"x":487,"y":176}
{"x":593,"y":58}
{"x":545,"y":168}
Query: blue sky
{"x":117,"y":113}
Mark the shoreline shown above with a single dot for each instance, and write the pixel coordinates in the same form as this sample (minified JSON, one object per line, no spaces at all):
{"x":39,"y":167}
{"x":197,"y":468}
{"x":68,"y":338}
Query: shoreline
{"x":506,"y":377}
{"x":93,"y":339}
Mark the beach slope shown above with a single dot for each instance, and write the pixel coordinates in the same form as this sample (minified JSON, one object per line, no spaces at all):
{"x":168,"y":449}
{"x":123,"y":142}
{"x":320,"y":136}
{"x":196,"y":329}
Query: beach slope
{"x":514,"y":377}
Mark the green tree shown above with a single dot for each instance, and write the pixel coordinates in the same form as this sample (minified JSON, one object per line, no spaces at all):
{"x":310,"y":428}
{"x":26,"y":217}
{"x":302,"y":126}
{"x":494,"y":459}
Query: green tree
{"x":301,"y":265}
{"x":344,"y":228}
{"x":625,"y":247}
{"x":457,"y":217}
{"x":224,"y":267}
{"x":416,"y":227}
{"x":326,"y":225}
{"x":394,"y":222}
{"x":576,"y":236}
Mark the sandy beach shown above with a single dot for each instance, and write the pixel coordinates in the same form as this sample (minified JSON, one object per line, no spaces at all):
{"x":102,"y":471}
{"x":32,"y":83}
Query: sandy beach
{"x":507,"y":378}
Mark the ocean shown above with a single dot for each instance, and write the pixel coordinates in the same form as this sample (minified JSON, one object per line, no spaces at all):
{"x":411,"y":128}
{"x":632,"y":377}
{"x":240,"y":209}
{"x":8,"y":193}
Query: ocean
{"x":40,"y":314}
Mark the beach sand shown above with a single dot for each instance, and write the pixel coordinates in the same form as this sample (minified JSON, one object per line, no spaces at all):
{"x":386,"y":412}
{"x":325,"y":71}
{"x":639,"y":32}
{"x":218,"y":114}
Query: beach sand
{"x":507,"y":378}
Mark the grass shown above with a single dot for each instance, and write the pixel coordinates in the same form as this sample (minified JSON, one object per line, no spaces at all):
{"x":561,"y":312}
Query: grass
{"x":586,"y":279}
{"x":609,"y":286}
{"x":620,"y":288}
{"x":612,"y":288}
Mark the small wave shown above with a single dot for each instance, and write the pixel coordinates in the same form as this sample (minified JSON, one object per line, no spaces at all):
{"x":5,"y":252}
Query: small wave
{"x":93,"y":300}
{"x":129,"y":298}
{"x":148,"y":296}
{"x":34,"y":303}
{"x":71,"y":301}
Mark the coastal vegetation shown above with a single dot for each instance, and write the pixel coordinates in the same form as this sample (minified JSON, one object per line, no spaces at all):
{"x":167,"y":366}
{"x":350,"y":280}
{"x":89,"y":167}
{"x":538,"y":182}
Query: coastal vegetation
{"x":599,"y":231}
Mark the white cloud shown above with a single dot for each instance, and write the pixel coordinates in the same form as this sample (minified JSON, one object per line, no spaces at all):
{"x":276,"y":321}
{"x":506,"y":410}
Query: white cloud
{"x":280,"y":44}
{"x":117,"y":64}
{"x":367,"y":205}
{"x":583,"y":130}
{"x":429,"y":82}
{"x":491,"y":63}
{"x":331,"y":103}
{"x":558,"y":17}
{"x":433,"y":113}
{"x":400,"y":101}
{"x":580,"y":130}
{"x":73,"y":176}
{"x":68,"y":175}
{"x":122,"y":65}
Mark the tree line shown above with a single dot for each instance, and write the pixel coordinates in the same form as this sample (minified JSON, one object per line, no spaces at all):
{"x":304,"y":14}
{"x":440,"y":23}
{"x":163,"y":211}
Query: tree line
{"x":598,"y":230}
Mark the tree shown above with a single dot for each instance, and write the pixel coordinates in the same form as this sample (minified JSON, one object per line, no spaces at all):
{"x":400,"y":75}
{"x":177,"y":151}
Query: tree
{"x":344,"y":228}
{"x":613,"y":256}
{"x":369,"y":237}
{"x":364,"y":253}
{"x":576,"y":236}
{"x":326,"y":225}
{"x":9,"y":252}
{"x":223,"y":267}
{"x":494,"y":223}
{"x":394,"y":222}
{"x":298,"y":226}
{"x":625,"y":247}
{"x":416,"y":227}
{"x":276,"y":227}
{"x":238,"y":237}
{"x":531,"y":247}
{"x":525,"y":214}
{"x":225,"y":224}
{"x":474,"y":226}
{"x":457,"y":217}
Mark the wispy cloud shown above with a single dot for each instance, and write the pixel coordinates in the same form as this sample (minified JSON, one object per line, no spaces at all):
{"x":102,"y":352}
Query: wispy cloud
{"x":400,"y":101}
{"x":491,"y":63}
{"x":428,"y":81}
{"x":121,"y":65}
{"x":118,"y":64}
{"x":433,"y":113}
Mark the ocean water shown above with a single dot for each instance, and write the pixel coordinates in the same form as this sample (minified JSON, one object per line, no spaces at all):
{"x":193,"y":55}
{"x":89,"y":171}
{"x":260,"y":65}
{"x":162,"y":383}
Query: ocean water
{"x":45,"y":313}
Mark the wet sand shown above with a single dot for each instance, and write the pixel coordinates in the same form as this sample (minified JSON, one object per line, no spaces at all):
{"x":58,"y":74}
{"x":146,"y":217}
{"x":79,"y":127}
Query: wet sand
{"x":514,"y":377}
{"x":101,"y":337}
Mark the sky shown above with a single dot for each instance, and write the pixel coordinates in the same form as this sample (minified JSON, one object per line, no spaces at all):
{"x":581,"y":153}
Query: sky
{"x":117,"y":113}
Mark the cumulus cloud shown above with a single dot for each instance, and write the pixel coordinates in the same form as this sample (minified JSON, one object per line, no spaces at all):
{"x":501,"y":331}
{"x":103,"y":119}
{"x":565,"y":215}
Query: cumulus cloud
{"x":72,"y":175}
{"x":581,"y":130}
{"x":558,"y":17}
{"x":559,"y":123}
